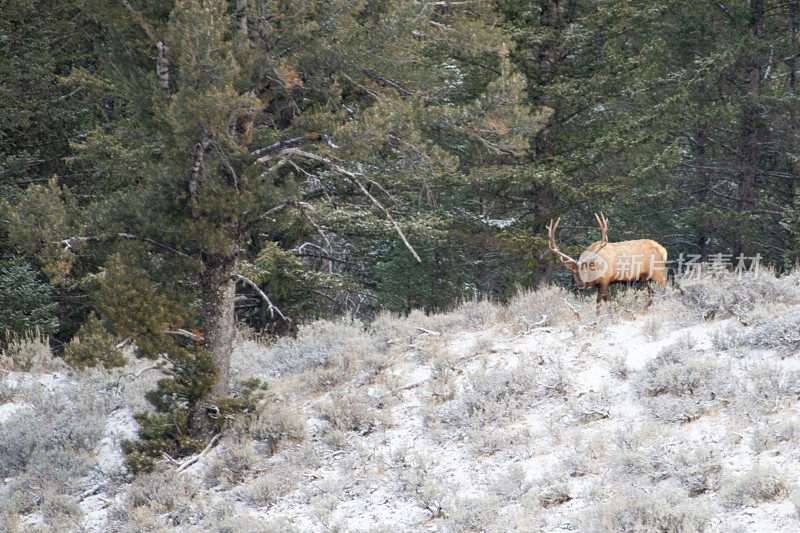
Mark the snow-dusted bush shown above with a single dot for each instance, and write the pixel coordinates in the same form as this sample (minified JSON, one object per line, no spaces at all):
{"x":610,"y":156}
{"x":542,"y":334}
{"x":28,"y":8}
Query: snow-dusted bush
{"x":324,"y":342}
{"x":769,"y":434}
{"x":760,"y":483}
{"x":590,"y":406}
{"x":579,"y":461}
{"x":731,"y":295}
{"x":439,"y":495}
{"x":511,"y":483}
{"x":266,"y":489}
{"x":635,"y":453}
{"x":727,"y":337}
{"x":157,"y":500}
{"x":282,"y":476}
{"x":653,"y":326}
{"x":618,"y":366}
{"x":60,"y":512}
{"x":247,"y":522}
{"x":51,"y":437}
{"x":355,"y":411}
{"x":470,"y":513}
{"x":553,"y":302}
{"x":276,"y":423}
{"x":679,"y":409}
{"x":764,"y":384}
{"x":697,"y":469}
{"x":234,"y":459}
{"x":680,"y":384}
{"x":552,"y":489}
{"x":781,"y":332}
{"x":28,"y":352}
{"x":443,"y":373}
{"x":481,"y":345}
{"x":640,"y":511}
{"x":476,"y":313}
{"x":676,"y":370}
{"x":391,"y":330}
{"x":495,"y":396}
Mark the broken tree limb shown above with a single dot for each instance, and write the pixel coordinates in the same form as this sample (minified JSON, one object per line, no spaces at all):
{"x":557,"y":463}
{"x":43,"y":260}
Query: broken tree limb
{"x":541,"y":321}
{"x":67,"y":243}
{"x":272,"y":308}
{"x":571,"y":308}
{"x":186,"y":335}
{"x":290,"y":143}
{"x":162,"y":59}
{"x":304,"y":208}
{"x":189,"y":462}
{"x":122,"y":344}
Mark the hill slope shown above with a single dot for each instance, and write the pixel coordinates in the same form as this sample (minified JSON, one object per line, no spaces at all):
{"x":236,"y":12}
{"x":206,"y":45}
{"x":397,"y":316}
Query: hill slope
{"x":541,"y":415}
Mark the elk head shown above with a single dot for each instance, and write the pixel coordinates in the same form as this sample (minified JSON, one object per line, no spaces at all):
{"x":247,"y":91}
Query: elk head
{"x":591,"y":265}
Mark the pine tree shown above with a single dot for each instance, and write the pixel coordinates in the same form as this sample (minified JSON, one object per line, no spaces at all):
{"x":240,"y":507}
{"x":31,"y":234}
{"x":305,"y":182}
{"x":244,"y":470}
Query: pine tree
{"x":230,"y":127}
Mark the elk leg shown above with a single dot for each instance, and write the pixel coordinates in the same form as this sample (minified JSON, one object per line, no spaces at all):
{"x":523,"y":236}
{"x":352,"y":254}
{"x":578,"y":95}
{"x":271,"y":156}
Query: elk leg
{"x":649,"y":293}
{"x":602,"y":294}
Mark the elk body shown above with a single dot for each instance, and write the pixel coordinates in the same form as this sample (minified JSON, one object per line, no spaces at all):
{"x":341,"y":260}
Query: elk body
{"x":604,"y":263}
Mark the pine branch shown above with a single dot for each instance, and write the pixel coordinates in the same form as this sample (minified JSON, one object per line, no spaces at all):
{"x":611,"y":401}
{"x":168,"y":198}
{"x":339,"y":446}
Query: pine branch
{"x":67,"y":243}
{"x":304,"y":208}
{"x":354,"y":179}
{"x":162,"y":59}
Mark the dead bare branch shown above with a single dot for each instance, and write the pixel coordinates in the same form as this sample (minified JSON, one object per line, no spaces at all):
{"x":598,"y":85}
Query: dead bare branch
{"x":272,"y":308}
{"x":186,"y":335}
{"x":354,"y":179}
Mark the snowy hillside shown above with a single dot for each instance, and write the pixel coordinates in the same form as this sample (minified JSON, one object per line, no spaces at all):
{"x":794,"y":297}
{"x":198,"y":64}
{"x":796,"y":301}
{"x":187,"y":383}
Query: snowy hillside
{"x":540,"y":415}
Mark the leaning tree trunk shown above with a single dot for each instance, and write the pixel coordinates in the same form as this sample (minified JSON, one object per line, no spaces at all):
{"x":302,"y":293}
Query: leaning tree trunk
{"x":217,"y":317}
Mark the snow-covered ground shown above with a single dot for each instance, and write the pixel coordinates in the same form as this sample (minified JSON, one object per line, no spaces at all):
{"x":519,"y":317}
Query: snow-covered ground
{"x":489,"y":418}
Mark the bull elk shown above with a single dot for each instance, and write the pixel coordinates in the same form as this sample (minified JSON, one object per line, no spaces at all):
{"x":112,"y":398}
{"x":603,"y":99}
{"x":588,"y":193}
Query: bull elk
{"x":604,"y":263}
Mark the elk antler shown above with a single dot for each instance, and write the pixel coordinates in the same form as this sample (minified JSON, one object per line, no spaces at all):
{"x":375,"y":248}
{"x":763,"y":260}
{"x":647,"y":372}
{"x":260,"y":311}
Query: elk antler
{"x":551,"y":232}
{"x":603,"y":221}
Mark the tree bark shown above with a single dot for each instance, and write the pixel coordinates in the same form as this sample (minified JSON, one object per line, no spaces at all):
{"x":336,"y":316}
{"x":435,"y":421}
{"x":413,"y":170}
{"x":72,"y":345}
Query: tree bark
{"x":549,"y":19}
{"x":218,"y":292}
{"x":750,"y":114}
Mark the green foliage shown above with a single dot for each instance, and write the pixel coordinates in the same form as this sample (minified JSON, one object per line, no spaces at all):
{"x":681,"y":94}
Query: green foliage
{"x":170,"y":429}
{"x":25,"y":301}
{"x":131,"y":305}
{"x":93,"y":345}
{"x":159,"y":434}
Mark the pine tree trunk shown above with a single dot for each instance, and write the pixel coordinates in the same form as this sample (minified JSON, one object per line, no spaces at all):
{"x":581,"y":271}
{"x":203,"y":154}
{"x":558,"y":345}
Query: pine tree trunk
{"x":749,"y":126}
{"x":217,"y":316}
{"x":549,"y":19}
{"x":219,"y":290}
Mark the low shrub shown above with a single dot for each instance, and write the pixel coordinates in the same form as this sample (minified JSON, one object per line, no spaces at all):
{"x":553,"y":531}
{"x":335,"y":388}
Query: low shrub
{"x":697,"y":469}
{"x":356,"y":411}
{"x":731,"y":295}
{"x":28,"y":352}
{"x":642,"y":511}
{"x":234,"y":459}
{"x":276,"y":423}
{"x":760,"y":483}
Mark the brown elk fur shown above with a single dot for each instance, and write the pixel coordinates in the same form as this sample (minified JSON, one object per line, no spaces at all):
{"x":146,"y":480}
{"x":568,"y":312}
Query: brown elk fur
{"x":604,"y":263}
